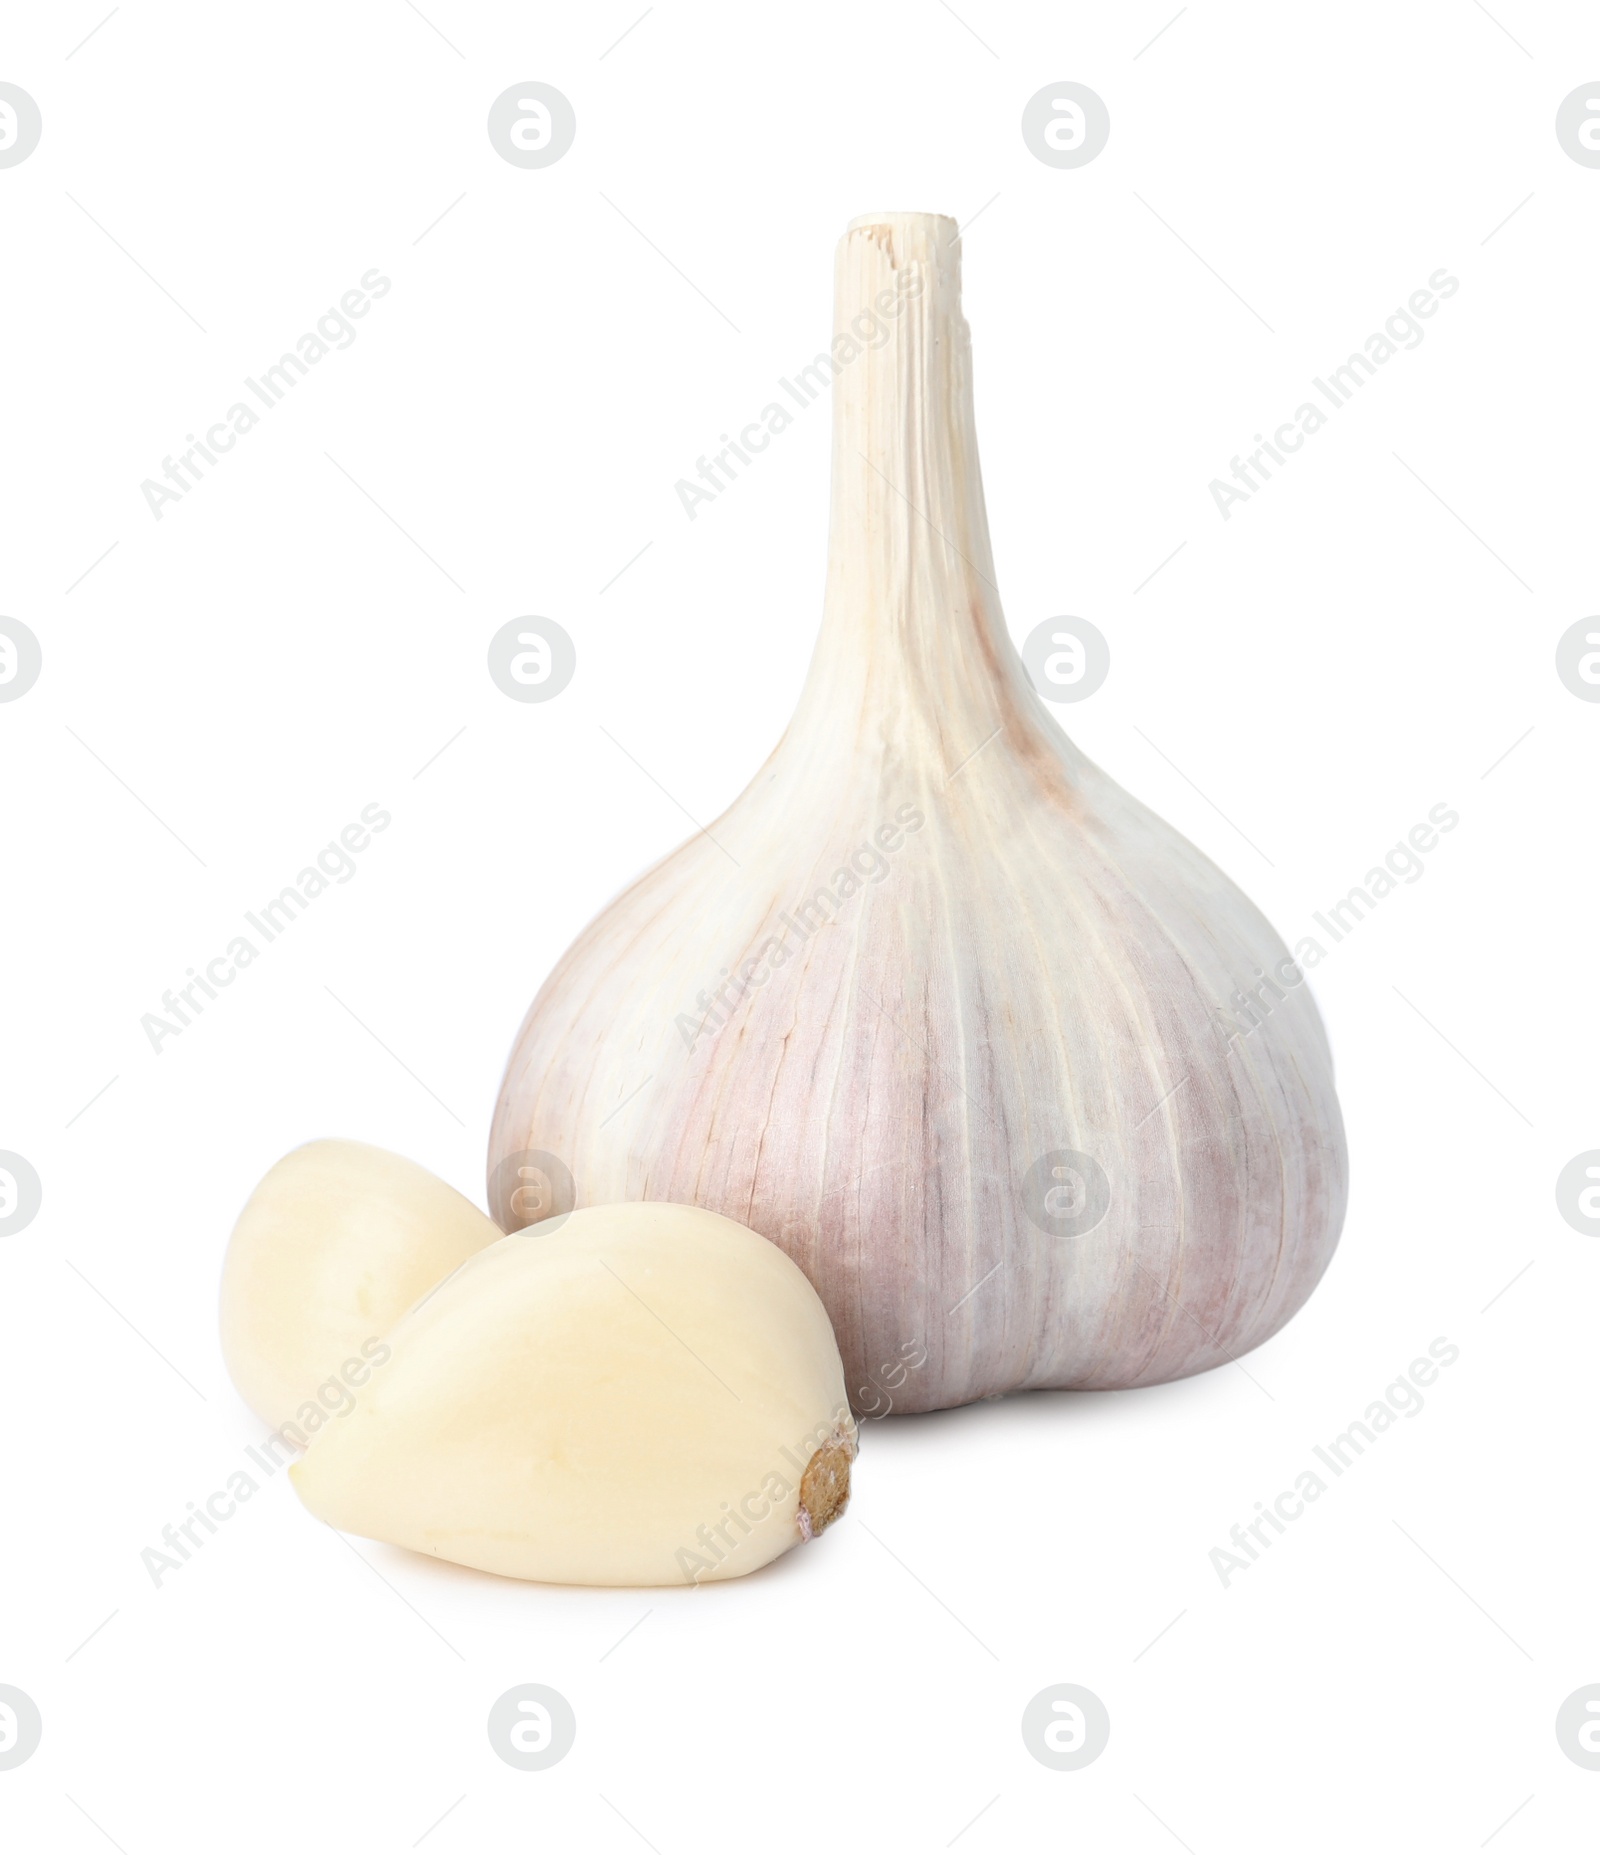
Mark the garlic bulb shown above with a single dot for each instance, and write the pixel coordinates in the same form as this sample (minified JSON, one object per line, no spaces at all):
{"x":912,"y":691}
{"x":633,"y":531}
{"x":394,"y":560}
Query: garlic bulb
{"x":936,"y":1005}
{"x":644,"y":1394}
{"x":336,"y":1242}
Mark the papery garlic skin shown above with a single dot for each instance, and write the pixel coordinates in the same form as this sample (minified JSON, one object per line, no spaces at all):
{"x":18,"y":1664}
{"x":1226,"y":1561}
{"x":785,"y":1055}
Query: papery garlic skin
{"x":1041,"y":964}
{"x":337,"y":1241}
{"x":640,"y":1394}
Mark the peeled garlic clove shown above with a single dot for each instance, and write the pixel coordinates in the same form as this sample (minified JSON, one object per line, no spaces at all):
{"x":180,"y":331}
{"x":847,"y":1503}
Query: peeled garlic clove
{"x":645,"y":1394}
{"x":1027,"y":1087}
{"x":336,"y":1243}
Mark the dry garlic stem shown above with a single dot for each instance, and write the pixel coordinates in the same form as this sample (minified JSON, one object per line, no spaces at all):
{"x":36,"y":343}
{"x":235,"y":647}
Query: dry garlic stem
{"x":336,"y":1242}
{"x":641,"y":1394}
{"x":936,"y":1005}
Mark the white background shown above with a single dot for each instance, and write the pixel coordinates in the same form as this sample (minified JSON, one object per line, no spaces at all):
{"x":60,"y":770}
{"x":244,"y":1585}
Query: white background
{"x":1364,"y":639}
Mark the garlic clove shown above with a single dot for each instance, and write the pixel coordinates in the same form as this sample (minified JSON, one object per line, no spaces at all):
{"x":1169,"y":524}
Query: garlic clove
{"x":642,"y":1394}
{"x":936,"y":1005}
{"x":335,"y":1244}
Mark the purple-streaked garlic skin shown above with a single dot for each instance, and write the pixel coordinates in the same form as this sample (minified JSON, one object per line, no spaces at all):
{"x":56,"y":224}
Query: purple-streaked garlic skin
{"x":1017,"y":959}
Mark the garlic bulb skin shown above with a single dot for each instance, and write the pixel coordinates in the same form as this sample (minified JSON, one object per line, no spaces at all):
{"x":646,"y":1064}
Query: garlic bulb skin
{"x":936,"y":1005}
{"x":641,"y":1394}
{"x":335,"y":1244}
